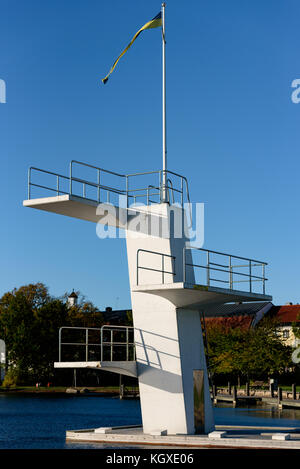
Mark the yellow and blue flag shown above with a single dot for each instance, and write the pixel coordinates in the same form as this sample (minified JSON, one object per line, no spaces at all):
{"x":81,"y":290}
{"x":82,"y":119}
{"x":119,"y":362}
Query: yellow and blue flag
{"x":154,"y":23}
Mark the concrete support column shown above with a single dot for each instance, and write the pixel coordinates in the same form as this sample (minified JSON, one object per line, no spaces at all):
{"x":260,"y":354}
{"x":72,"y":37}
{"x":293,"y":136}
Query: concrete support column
{"x":171,"y":364}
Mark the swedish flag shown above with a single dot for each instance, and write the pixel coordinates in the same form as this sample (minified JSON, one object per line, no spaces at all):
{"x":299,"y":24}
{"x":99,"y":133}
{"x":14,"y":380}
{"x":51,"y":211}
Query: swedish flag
{"x":154,"y":23}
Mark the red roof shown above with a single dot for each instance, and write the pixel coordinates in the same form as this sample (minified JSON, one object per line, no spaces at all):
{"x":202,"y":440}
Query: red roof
{"x":230,"y":322}
{"x":287,"y":313}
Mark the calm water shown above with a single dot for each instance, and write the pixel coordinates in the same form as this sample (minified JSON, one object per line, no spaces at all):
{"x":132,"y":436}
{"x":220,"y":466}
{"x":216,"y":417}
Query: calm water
{"x":40,"y":421}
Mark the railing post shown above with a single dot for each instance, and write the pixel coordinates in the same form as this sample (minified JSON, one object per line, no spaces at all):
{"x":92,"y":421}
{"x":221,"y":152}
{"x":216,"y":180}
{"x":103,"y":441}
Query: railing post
{"x":111,"y":345}
{"x":230,"y":273}
{"x":59,"y":344}
{"x":160,"y":187}
{"x":57,"y":184}
{"x":181,"y":188}
{"x":86,"y":345}
{"x":250,"y":277}
{"x":29,"y":183}
{"x":98,"y":191}
{"x":83,"y":190}
{"x":137,"y":267}
{"x":101,"y":349}
{"x":127,"y":189}
{"x":183,"y":265}
{"x":263,"y":269}
{"x":207,"y":270}
{"x":163,"y":267}
{"x":173,"y":259}
{"x":71,"y":178}
{"x":127,"y":339}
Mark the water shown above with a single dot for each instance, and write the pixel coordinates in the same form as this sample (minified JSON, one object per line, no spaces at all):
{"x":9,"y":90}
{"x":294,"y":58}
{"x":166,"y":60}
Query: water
{"x":40,"y":421}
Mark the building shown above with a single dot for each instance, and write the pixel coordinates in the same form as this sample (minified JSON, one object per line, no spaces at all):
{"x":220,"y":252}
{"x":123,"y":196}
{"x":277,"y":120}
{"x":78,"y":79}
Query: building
{"x":72,"y":299}
{"x":286,"y":316}
{"x":118,"y":317}
{"x":243,"y":315}
{"x":247,"y":315}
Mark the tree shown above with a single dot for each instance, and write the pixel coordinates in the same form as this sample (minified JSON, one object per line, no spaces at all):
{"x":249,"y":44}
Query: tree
{"x":29,"y":322}
{"x":84,"y":313}
{"x":246,"y":352}
{"x":30,"y":319}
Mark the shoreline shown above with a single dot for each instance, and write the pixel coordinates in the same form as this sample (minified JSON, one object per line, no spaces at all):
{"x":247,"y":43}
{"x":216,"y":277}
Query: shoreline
{"x":81,"y":390}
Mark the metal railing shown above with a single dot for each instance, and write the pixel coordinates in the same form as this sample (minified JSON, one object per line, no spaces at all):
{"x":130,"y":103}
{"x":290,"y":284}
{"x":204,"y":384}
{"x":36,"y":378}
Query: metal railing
{"x":122,"y":349}
{"x":227,"y":270}
{"x":124,"y":184}
{"x":161,"y":270}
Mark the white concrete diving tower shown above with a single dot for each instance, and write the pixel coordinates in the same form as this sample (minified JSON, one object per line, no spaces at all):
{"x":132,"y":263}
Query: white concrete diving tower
{"x":170,"y":282}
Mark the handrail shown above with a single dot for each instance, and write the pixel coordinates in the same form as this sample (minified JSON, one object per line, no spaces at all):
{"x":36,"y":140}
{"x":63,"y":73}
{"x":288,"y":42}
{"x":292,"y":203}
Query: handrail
{"x":228,"y":269}
{"x":162,"y":270}
{"x":103,"y":343}
{"x":225,"y":254}
{"x":129,"y":192}
{"x":96,"y":167}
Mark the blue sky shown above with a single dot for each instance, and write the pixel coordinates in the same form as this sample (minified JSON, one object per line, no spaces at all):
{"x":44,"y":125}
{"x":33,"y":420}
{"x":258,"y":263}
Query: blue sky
{"x":232,"y":129}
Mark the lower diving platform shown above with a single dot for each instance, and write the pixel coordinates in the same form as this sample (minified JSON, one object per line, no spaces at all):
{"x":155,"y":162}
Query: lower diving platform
{"x":109,"y":348}
{"x":127,"y":368}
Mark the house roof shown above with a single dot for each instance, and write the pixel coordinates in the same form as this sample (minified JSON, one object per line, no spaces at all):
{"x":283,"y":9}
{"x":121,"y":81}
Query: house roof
{"x":231,"y":315}
{"x":115,"y":315}
{"x":234,"y":309}
{"x":286,"y":314}
{"x":242,"y":322}
{"x":73,"y":295}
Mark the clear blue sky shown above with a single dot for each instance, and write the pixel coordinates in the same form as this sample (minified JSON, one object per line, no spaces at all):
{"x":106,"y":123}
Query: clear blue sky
{"x":232,"y":129}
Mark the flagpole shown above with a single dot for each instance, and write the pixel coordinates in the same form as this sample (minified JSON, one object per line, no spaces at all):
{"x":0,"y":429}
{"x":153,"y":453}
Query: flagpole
{"x":164,"y":139}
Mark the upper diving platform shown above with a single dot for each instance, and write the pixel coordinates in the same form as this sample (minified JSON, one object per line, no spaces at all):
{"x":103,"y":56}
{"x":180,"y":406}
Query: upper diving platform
{"x":79,"y":197}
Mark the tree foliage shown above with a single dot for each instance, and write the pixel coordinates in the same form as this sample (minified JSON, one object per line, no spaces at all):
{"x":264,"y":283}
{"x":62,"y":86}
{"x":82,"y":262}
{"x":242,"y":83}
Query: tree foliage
{"x":29,"y":322}
{"x":247,"y":352}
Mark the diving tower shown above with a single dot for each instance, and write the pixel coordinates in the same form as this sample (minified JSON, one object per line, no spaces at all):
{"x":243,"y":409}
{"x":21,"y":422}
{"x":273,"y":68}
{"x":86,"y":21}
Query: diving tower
{"x":171,"y":282}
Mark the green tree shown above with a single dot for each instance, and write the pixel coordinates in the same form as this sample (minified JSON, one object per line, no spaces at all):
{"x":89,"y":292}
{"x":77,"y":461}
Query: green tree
{"x":84,"y":313}
{"x":246,"y":352}
{"x":29,"y":322}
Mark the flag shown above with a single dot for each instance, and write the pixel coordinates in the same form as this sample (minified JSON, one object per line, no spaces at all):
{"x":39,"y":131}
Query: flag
{"x":154,"y":23}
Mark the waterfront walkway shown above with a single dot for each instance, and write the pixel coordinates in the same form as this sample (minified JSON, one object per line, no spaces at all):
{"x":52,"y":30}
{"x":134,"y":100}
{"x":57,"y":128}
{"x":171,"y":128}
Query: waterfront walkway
{"x":236,"y":437}
{"x":281,"y":399}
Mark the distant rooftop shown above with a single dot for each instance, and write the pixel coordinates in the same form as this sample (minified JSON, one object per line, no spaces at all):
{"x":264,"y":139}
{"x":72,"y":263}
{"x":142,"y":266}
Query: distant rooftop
{"x":114,"y":316}
{"x":73,"y":295}
{"x":286,"y":314}
{"x":235,"y":309}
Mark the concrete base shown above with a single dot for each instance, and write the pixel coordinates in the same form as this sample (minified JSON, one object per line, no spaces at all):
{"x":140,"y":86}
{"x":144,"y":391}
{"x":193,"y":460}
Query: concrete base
{"x":236,"y":437}
{"x":217,"y":435}
{"x":281,"y":436}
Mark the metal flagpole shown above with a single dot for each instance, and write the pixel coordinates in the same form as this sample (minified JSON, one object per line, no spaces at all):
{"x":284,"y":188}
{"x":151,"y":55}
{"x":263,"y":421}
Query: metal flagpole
{"x":164,"y":140}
